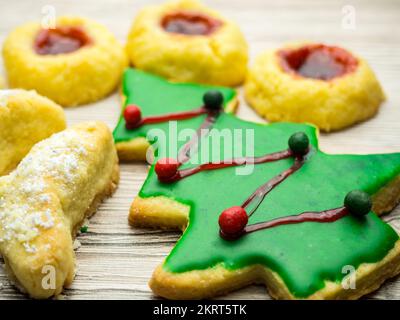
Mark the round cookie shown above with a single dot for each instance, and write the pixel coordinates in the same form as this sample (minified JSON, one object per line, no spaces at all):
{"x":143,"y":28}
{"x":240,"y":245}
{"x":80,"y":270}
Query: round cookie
{"x":25,"y":119}
{"x":78,"y":62}
{"x":186,"y":42}
{"x":324,"y":85}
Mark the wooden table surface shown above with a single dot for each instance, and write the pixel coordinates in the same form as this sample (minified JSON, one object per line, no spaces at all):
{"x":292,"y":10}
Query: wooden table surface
{"x":116,"y":261}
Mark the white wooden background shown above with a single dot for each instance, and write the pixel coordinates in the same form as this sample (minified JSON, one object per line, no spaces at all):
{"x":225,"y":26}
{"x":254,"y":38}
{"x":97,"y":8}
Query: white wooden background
{"x":116,"y":261}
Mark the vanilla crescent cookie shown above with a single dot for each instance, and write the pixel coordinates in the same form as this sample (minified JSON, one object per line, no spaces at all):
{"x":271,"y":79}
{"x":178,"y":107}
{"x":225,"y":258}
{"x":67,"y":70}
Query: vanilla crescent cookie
{"x":78,"y":62}
{"x":185,"y":41}
{"x":46,"y":199}
{"x":327,"y":86}
{"x":25,"y":119}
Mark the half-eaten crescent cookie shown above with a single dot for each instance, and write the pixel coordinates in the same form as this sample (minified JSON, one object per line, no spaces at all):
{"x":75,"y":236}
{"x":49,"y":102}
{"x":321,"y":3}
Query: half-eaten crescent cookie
{"x":46,"y":199}
{"x":25,"y":119}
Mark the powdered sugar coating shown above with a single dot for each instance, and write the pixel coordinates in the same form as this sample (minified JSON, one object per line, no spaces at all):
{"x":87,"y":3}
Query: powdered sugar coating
{"x":53,"y":161}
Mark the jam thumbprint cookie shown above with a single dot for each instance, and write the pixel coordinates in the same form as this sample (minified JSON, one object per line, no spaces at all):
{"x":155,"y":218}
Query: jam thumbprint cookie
{"x":77,"y":62}
{"x":316,"y":83}
{"x":186,"y":42}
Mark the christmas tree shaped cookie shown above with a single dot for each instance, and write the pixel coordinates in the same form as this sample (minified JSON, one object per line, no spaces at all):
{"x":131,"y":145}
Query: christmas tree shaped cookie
{"x":275,"y":210}
{"x":156,"y":96}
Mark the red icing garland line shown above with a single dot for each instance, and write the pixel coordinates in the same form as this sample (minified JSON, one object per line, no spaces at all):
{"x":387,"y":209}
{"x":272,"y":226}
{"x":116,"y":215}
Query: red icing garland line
{"x":323,"y":216}
{"x":231,"y":163}
{"x":170,"y":117}
{"x":184,"y":153}
{"x":263,"y":190}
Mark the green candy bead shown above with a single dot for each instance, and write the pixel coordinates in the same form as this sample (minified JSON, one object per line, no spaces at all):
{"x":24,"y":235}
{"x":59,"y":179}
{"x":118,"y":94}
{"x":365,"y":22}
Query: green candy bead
{"x":358,"y":202}
{"x":299,"y":143}
{"x":213,"y":99}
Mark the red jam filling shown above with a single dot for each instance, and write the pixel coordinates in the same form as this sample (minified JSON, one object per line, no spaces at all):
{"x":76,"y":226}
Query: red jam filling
{"x":60,"y":40}
{"x":190,"y":23}
{"x":318,"y":61}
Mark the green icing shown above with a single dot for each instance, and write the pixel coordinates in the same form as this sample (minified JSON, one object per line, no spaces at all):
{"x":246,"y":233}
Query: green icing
{"x":304,"y":255}
{"x":155,"y":96}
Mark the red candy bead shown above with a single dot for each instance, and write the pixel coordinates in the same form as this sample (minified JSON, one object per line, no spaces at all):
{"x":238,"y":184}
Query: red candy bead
{"x":232,"y":221}
{"x":132,"y":115}
{"x":166,"y":168}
